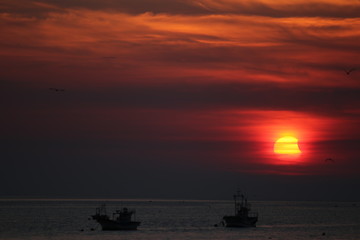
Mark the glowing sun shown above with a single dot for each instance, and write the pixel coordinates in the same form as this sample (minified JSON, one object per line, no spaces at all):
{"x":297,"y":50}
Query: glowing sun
{"x":287,"y":145}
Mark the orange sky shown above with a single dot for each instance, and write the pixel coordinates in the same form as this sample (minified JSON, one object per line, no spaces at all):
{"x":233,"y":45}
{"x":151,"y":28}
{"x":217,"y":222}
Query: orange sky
{"x":218,"y":80}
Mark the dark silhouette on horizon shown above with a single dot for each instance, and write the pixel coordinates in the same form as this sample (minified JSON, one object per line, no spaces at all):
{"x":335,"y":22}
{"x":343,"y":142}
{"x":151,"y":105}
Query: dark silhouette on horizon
{"x":329,"y":160}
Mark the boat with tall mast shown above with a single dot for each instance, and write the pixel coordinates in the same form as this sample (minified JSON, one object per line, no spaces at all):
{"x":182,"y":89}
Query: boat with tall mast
{"x":243,"y":217}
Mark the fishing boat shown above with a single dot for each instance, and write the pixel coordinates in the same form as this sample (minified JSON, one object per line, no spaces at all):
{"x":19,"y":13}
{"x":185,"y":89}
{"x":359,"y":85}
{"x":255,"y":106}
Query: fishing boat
{"x":121,"y":219}
{"x":243,"y":217}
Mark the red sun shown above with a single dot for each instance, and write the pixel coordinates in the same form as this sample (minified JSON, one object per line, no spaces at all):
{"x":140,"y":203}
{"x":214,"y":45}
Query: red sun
{"x":287,"y":145}
{"x":287,"y":151}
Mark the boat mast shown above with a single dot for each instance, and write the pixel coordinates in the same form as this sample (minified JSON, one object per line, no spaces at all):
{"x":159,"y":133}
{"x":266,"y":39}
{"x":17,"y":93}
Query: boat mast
{"x":238,"y":204}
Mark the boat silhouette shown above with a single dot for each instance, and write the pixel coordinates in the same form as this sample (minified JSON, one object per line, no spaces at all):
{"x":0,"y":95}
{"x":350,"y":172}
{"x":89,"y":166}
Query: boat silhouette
{"x":243,"y":217}
{"x":121,"y":219}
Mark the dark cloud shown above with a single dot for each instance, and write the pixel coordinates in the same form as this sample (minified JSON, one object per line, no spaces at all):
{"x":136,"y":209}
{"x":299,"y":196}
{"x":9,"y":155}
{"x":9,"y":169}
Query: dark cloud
{"x":187,"y":96}
{"x":201,"y":7}
{"x":132,"y":7}
{"x":297,"y":10}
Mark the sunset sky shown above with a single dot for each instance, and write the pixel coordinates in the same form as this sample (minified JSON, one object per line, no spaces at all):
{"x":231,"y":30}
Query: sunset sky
{"x":180,"y":98}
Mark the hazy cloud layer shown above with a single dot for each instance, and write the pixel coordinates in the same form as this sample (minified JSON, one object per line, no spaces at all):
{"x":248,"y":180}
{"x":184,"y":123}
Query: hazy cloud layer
{"x":139,"y":47}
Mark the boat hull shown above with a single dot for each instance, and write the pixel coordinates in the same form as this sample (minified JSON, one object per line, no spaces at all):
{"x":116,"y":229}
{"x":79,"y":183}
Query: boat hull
{"x":238,"y":221}
{"x":111,"y":225}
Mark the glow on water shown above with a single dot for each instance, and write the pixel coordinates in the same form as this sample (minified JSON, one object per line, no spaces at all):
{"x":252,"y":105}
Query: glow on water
{"x":178,"y":219}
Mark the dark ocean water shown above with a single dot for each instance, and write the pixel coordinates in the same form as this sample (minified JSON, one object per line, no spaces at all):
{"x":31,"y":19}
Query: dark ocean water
{"x":178,"y":220}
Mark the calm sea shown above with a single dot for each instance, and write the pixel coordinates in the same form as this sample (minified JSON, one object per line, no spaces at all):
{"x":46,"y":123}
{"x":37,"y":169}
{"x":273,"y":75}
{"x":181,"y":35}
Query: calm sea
{"x":64,"y":219}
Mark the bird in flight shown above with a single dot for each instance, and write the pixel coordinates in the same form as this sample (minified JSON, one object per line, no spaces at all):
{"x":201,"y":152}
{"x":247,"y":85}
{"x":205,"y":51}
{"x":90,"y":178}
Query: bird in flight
{"x":349,"y":71}
{"x":329,"y":160}
{"x":57,"y":89}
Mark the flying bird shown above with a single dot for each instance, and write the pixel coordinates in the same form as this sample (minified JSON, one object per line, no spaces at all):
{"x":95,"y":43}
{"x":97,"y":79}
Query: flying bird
{"x":329,"y":160}
{"x":349,"y":71}
{"x":57,"y":89}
